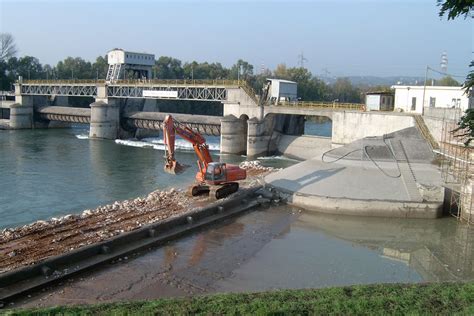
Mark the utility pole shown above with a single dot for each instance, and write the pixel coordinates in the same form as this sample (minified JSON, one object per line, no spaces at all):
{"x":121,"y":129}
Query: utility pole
{"x":301,"y":60}
{"x":424,"y":92}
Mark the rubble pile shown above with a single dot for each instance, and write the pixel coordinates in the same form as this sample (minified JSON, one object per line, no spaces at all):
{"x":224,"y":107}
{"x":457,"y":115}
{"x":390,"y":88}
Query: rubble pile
{"x":255,"y":168}
{"x":31,"y":243}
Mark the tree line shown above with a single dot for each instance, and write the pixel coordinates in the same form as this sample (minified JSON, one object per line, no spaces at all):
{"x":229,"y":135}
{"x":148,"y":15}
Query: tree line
{"x":310,"y":88}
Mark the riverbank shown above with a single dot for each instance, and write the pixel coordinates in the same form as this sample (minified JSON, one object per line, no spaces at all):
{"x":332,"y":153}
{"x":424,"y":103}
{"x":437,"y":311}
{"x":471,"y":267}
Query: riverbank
{"x":434,"y":298}
{"x":35,"y":242}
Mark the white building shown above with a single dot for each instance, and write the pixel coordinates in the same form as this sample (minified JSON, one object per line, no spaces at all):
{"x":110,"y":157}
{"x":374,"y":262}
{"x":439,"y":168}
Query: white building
{"x":379,"y":101}
{"x":410,"y":98}
{"x":282,"y":90}
{"x":120,"y":61}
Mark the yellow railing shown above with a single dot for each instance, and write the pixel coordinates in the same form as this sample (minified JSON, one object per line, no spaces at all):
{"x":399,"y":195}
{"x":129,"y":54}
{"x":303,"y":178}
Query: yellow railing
{"x":324,"y":105}
{"x":192,"y":82}
{"x":63,"y":81}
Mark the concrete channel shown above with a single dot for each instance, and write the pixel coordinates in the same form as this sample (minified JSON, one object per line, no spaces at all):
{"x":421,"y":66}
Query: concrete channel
{"x":19,"y":282}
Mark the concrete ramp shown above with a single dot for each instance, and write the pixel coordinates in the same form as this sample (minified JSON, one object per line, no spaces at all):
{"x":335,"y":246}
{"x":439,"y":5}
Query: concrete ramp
{"x":391,"y":176}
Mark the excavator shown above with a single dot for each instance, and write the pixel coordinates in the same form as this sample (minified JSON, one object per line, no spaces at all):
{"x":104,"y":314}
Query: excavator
{"x":218,"y":179}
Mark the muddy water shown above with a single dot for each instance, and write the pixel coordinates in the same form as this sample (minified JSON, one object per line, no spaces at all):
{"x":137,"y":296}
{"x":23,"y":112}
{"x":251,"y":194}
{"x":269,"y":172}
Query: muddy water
{"x":281,"y":247}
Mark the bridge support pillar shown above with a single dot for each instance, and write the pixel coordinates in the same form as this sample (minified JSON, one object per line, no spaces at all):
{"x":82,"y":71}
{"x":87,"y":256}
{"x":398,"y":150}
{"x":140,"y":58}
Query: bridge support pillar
{"x":21,"y":113}
{"x":233,"y":135}
{"x":257,"y":140}
{"x":21,"y":116}
{"x":105,"y":120}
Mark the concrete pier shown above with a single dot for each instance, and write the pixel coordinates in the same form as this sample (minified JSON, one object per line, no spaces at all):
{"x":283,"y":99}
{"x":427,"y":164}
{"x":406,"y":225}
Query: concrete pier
{"x":257,"y":141}
{"x":233,"y":135}
{"x":21,"y":116}
{"x":105,"y":120}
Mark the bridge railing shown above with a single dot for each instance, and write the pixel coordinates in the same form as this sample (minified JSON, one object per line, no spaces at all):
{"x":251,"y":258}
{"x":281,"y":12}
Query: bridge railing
{"x":62,"y":81}
{"x":324,"y":105}
{"x":184,"y":82}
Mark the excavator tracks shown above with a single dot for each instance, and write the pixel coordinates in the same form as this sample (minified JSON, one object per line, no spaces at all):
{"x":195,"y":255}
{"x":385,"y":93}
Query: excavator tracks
{"x":222,"y":191}
{"x":215,"y":192}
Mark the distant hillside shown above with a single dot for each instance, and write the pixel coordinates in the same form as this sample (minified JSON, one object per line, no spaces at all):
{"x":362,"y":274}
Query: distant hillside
{"x":378,"y":81}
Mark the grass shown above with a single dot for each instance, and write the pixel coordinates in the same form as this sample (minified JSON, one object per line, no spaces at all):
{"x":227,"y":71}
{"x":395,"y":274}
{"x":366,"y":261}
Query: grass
{"x":398,"y":299}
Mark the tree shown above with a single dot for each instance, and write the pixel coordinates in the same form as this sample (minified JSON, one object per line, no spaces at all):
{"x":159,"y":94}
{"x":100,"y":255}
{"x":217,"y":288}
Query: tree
{"x":27,"y":67}
{"x":168,"y":68}
{"x":447,"y":81}
{"x":344,"y":91}
{"x":241,"y":70}
{"x":455,"y":8}
{"x":7,"y":46}
{"x":74,"y":68}
{"x":99,"y":67}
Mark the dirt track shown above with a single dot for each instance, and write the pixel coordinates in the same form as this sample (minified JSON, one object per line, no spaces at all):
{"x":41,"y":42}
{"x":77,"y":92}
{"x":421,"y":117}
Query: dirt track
{"x":29,"y":244}
{"x":32,"y":243}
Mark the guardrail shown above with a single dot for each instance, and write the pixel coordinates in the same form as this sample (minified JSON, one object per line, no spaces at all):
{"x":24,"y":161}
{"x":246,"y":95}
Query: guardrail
{"x":214,"y":82}
{"x":324,"y":105}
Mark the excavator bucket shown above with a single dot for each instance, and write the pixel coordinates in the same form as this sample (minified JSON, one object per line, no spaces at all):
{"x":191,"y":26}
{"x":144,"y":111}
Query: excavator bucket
{"x":174,"y":167}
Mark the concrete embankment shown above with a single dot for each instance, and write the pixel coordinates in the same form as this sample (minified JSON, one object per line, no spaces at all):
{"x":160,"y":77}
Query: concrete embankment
{"x":303,"y":147}
{"x":378,"y":176}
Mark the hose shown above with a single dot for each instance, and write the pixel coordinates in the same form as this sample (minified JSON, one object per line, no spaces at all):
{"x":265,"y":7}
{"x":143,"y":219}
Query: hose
{"x":368,"y":156}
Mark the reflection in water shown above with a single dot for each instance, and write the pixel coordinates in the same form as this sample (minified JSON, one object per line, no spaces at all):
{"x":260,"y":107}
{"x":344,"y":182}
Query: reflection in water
{"x":439,"y":249}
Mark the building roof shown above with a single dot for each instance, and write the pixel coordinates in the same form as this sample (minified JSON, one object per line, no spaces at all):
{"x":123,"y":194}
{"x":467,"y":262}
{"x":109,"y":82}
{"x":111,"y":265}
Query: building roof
{"x":428,"y":87}
{"x":281,"y":80}
{"x":129,"y":52}
{"x":380,"y":92}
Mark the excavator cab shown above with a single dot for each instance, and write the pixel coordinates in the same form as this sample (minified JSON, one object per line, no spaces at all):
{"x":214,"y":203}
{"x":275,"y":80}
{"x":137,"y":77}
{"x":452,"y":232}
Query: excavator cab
{"x":215,"y":172}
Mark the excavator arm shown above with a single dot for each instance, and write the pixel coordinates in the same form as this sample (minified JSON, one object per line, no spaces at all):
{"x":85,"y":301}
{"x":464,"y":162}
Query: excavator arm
{"x":218,"y":179}
{"x":171,"y":127}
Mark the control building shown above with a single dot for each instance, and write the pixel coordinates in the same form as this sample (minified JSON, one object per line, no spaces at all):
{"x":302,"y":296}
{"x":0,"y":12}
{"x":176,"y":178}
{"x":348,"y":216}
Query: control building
{"x":121,"y":62}
{"x":282,"y":90}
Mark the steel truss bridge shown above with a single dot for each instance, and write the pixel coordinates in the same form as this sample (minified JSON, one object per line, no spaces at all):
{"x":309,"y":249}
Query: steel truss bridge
{"x":206,"y":125}
{"x":200,"y":90}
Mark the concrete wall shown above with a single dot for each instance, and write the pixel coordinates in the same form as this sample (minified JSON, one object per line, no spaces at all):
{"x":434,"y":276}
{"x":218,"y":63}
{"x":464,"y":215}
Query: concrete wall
{"x":303,"y":147}
{"x":350,"y":126}
{"x":239,"y":96}
{"x":435,"y":117}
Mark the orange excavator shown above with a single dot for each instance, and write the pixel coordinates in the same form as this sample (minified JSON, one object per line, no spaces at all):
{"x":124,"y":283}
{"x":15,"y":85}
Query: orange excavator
{"x":218,"y":179}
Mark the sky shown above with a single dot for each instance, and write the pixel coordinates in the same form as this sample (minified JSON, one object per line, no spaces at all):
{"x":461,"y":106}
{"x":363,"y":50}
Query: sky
{"x":342,"y":37}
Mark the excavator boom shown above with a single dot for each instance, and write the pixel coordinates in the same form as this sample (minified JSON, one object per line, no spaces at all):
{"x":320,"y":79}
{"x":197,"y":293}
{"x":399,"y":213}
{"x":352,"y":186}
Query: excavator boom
{"x":216,"y":177}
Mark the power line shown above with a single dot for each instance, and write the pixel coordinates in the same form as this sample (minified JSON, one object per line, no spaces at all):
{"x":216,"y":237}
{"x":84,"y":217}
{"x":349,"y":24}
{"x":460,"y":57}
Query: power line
{"x":445,"y":73}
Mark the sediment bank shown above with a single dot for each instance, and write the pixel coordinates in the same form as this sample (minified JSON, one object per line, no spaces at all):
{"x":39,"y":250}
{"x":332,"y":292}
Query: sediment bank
{"x":33,"y":243}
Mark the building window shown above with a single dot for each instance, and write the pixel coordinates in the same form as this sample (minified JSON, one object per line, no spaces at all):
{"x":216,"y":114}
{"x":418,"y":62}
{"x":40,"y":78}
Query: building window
{"x":383,"y":100}
{"x":413,"y":104}
{"x":432,"y":102}
{"x":456,"y":103}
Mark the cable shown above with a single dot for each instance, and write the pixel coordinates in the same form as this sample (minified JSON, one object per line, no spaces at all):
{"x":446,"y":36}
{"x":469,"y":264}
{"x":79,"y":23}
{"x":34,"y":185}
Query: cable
{"x":445,"y":73}
{"x":368,"y":156}
{"x":343,"y":156}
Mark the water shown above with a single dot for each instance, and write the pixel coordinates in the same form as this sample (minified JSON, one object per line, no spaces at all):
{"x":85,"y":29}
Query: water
{"x":280,"y":248}
{"x":47,"y":173}
{"x":318,"y":128}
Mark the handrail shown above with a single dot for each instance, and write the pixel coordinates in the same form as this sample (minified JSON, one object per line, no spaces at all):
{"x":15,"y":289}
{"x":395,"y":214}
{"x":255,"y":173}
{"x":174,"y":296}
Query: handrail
{"x":324,"y":105}
{"x":214,"y":82}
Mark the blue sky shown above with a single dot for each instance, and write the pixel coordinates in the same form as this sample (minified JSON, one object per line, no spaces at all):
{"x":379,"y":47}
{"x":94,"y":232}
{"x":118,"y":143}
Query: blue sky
{"x":369,"y":37}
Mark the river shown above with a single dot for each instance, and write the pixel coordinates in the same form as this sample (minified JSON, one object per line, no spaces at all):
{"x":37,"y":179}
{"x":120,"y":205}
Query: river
{"x":46,"y":173}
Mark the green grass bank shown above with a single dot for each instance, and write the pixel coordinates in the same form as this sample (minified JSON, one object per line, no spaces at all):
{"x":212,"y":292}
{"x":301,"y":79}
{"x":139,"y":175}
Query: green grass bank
{"x":413,"y":299}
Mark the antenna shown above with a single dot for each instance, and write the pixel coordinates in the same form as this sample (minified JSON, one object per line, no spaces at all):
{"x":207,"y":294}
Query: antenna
{"x":301,"y":60}
{"x":444,"y":62}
